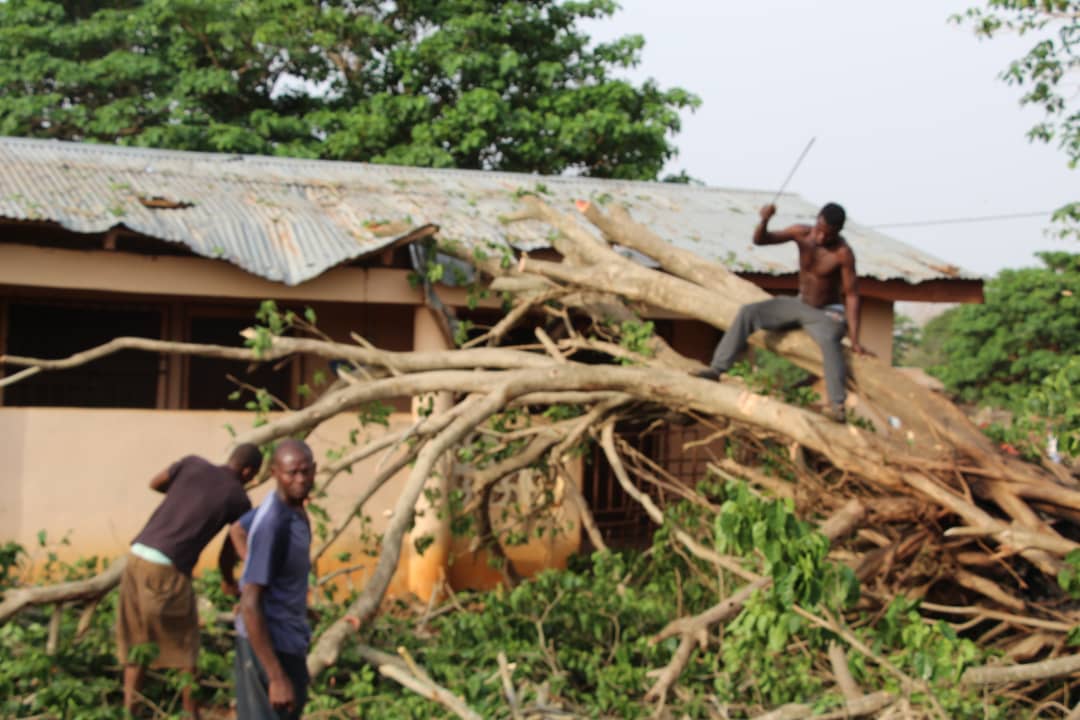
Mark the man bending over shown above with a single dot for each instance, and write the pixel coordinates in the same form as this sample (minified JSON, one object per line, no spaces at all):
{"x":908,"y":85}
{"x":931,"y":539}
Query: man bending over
{"x":827,"y":293}
{"x":157,"y":602}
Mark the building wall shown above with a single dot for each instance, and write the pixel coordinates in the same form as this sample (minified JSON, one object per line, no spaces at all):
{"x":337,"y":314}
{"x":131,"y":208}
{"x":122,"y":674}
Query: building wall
{"x":876,"y":331}
{"x":83,"y":474}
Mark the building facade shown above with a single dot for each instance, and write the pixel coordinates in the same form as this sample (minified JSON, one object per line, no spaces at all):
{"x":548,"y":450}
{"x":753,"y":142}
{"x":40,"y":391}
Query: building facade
{"x":98,"y":242}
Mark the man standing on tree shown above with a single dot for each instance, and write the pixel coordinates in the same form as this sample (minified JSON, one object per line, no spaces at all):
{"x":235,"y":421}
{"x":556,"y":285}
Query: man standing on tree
{"x":827,"y":292}
{"x":157,"y":601}
{"x":272,"y":632}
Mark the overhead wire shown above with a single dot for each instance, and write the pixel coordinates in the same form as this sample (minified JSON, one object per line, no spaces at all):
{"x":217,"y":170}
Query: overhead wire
{"x":957,"y":221}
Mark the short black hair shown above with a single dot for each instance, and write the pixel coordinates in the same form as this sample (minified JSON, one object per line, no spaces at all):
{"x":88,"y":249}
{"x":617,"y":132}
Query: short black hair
{"x":834,"y":215}
{"x":246,"y":455}
{"x":291,"y":444}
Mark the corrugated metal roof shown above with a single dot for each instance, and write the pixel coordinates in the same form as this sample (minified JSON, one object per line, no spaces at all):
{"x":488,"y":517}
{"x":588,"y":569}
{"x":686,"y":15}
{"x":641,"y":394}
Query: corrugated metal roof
{"x":289,"y":220}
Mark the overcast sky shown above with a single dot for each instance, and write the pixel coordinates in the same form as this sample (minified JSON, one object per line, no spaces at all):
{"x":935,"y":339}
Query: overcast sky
{"x":911,"y":120}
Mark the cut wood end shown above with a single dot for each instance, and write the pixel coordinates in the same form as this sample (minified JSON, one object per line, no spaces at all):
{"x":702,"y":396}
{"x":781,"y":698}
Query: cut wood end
{"x":582,"y":205}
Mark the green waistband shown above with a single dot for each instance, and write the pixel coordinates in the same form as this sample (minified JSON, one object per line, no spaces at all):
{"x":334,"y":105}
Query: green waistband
{"x":150,"y":554}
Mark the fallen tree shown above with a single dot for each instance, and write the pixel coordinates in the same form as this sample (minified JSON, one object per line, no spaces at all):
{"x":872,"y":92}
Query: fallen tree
{"x":942,"y":513}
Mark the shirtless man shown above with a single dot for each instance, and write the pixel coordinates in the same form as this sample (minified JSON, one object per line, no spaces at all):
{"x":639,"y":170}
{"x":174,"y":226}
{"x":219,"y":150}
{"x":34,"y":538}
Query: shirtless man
{"x":827,"y":293}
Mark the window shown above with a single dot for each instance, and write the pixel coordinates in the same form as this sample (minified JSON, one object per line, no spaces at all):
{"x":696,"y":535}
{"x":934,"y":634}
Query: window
{"x":128,"y":379}
{"x":621,"y":519}
{"x":208,"y":385}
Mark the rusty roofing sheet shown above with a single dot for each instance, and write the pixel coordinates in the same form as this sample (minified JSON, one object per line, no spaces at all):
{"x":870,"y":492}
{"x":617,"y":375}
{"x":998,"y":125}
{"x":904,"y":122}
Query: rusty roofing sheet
{"x":289,"y":220}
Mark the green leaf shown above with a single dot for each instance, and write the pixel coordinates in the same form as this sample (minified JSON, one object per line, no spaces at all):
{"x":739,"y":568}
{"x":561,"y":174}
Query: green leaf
{"x":485,"y":84}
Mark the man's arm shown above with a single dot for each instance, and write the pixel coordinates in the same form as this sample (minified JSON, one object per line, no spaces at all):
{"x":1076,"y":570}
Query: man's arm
{"x":281,"y":690}
{"x":238,"y":534}
{"x":852,"y":303}
{"x":161,"y":482}
{"x":234,"y":549}
{"x":229,"y":556}
{"x":762,"y":235}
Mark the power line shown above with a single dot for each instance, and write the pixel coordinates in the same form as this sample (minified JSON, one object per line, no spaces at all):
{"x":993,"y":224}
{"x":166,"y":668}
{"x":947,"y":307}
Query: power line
{"x":956,"y":221}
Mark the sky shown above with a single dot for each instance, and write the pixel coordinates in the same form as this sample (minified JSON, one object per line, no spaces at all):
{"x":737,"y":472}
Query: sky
{"x":911,"y":119}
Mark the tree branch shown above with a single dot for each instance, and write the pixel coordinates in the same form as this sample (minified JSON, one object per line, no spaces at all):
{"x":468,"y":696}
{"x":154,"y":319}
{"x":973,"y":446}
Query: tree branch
{"x":19,"y":598}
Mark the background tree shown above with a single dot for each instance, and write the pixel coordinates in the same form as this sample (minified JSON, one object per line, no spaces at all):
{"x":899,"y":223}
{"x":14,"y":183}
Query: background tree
{"x":1019,"y":351}
{"x":1028,"y":328}
{"x":1047,"y":72}
{"x":491,"y":84}
{"x":906,"y":335}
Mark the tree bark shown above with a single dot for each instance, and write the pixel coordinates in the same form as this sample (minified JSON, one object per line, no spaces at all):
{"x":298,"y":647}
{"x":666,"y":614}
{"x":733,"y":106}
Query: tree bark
{"x":19,"y":598}
{"x":1005,"y":674}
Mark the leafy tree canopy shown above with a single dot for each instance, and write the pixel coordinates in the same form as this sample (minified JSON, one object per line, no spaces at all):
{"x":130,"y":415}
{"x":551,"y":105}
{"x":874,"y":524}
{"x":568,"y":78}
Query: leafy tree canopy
{"x":1027,"y":330}
{"x":442,"y":83}
{"x":1048,"y":72}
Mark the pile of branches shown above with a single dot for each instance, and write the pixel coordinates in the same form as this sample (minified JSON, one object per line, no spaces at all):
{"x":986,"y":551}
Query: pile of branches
{"x":920,"y":506}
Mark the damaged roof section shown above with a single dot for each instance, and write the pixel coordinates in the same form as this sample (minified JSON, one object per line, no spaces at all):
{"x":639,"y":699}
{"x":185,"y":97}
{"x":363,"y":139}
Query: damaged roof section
{"x":289,"y":220}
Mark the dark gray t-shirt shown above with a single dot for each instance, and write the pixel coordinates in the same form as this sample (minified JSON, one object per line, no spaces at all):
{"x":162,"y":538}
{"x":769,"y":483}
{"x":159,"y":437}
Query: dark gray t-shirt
{"x":201,"y":499}
{"x":279,"y":546}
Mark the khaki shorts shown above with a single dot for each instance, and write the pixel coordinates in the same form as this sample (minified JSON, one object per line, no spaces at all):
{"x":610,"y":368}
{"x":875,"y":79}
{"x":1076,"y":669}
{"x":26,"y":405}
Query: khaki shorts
{"x":157,"y":605}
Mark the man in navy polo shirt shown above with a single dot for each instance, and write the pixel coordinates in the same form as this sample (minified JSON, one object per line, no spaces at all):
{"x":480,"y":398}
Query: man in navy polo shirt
{"x":272,"y":628}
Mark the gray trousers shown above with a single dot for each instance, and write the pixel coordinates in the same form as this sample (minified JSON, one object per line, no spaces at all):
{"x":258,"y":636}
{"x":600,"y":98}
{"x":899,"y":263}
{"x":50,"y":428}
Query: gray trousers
{"x":786,"y":313}
{"x":253,"y":686}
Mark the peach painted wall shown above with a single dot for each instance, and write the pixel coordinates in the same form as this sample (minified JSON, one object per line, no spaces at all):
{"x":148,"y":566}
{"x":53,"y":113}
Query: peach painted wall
{"x":876,"y":327}
{"x":84,"y":473}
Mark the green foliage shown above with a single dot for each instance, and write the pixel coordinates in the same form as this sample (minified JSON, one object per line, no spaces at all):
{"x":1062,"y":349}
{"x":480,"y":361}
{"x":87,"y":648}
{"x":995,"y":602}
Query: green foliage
{"x":375,"y":413}
{"x":1018,"y":351}
{"x":1026,"y":330}
{"x":791,"y":551}
{"x":1055,"y":25}
{"x":583,"y":636}
{"x":1053,"y":408}
{"x":906,"y":337}
{"x":82,"y":679}
{"x":1047,"y":73}
{"x":450,"y":83}
{"x":11,"y":554}
{"x":637,"y":338}
{"x":793,"y":554}
{"x":771,"y":374}
{"x":1069,"y":577}
{"x":935,"y":654}
{"x":928,"y":350}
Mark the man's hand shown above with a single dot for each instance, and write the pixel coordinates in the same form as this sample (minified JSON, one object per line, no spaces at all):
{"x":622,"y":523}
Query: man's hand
{"x":230,"y":589}
{"x":767,"y":212}
{"x":281,"y":693}
{"x":860,"y":350}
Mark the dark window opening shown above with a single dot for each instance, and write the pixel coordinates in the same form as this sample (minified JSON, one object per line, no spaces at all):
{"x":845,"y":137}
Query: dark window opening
{"x":127,"y":379}
{"x":208,"y":385}
{"x":51,"y":235}
{"x":621,"y":519}
{"x":142,"y":245}
{"x":396,"y":257}
{"x":674,"y":458}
